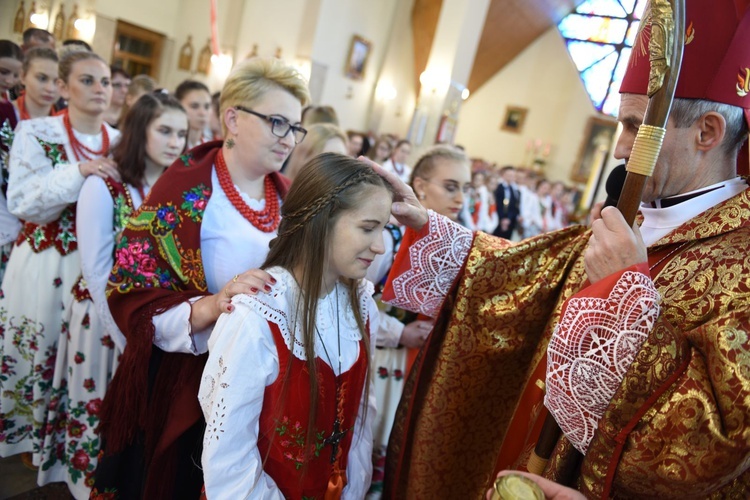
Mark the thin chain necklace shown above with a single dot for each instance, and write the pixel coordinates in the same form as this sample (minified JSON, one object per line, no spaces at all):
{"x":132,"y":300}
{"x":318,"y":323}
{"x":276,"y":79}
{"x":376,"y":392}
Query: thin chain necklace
{"x":336,"y":433}
{"x":266,"y":220}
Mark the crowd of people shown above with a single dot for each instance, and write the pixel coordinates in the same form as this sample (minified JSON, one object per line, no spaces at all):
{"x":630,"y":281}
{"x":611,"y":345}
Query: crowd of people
{"x":228,"y":296}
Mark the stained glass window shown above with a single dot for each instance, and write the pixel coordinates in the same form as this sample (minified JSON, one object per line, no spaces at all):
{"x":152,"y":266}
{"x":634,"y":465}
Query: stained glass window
{"x":599,"y":35}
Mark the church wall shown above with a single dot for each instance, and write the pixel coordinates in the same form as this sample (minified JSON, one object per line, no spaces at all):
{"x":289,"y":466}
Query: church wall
{"x":544,"y":80}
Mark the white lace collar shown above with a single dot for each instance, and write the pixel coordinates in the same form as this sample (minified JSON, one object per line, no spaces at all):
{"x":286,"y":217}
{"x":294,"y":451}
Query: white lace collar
{"x":278,"y":306}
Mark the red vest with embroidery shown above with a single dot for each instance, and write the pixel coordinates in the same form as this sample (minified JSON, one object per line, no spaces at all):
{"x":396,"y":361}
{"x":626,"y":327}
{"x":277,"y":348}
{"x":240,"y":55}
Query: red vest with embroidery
{"x":61,"y":233}
{"x":284,"y":420}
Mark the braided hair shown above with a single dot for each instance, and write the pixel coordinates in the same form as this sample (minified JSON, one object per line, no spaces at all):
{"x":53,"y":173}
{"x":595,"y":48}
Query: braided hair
{"x":326,"y":187}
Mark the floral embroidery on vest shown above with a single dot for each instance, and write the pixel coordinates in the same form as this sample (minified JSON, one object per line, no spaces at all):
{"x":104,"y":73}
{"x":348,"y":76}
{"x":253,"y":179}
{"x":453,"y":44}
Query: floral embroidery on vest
{"x":294,"y":442}
{"x":61,"y":233}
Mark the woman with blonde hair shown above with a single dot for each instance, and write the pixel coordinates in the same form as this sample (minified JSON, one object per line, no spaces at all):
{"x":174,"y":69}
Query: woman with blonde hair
{"x":197,"y":240}
{"x":321,"y":138}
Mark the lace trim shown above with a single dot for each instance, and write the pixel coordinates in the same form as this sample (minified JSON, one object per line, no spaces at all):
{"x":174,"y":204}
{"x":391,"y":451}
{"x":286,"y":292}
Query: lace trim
{"x":276,"y":306}
{"x":592,"y":348}
{"x":434,"y":261}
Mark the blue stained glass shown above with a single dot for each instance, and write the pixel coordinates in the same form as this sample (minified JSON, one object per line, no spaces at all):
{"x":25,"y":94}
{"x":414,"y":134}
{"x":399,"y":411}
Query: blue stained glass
{"x":632,"y":33}
{"x":602,"y":8}
{"x":597,"y":79}
{"x":628,"y":5}
{"x":585,"y":54}
{"x":612,"y":103}
{"x":594,"y":29}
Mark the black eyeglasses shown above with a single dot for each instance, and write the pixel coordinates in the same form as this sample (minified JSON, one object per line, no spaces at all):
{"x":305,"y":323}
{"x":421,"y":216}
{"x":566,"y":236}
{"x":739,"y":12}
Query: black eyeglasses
{"x":280,"y":127}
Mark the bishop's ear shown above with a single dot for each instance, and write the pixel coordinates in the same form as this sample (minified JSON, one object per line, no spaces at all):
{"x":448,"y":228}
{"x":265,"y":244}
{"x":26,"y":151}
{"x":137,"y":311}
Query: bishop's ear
{"x":711,"y":128}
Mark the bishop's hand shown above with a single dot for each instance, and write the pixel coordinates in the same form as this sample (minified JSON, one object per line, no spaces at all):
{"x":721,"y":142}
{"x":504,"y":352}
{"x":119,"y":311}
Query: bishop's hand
{"x":406,"y":208}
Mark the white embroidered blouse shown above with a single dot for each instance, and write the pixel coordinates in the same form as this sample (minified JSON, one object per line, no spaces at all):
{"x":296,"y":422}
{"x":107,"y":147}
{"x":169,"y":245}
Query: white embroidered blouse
{"x":243,"y":361}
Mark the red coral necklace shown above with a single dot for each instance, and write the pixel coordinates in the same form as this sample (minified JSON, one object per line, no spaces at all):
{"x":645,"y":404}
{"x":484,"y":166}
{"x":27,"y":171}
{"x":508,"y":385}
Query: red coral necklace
{"x":79,"y":149}
{"x":267,"y":220}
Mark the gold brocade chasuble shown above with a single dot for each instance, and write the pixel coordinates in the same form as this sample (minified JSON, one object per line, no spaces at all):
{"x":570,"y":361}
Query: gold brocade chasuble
{"x":678,"y":426}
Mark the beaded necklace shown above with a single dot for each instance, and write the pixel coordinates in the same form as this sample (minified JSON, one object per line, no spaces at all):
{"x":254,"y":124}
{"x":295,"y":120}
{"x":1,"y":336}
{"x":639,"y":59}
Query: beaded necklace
{"x":266,"y":220}
{"x":79,"y":149}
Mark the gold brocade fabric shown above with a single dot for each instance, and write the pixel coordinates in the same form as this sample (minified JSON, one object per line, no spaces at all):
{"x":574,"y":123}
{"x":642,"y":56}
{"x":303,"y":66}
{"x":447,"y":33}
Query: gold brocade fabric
{"x":466,"y":383}
{"x":682,"y":413}
{"x":678,"y":426}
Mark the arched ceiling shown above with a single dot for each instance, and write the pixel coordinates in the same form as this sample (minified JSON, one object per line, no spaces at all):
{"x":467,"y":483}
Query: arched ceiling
{"x":510,"y":27}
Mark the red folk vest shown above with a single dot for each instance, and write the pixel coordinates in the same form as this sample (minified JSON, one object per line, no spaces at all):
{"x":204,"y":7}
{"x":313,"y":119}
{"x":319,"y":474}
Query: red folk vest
{"x":299,"y":470}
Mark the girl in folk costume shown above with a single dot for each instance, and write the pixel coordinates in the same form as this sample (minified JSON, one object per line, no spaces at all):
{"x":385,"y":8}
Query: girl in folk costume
{"x":49,"y":162}
{"x":153,"y":136}
{"x":440,"y":178}
{"x":180,"y":259}
{"x":286,"y":391}
{"x":11,"y":59}
{"x":196,"y":99}
{"x":39,"y":77}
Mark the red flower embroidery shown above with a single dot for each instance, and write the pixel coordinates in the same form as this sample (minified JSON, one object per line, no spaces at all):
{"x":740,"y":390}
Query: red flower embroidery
{"x":80,"y":460}
{"x":94,"y":406}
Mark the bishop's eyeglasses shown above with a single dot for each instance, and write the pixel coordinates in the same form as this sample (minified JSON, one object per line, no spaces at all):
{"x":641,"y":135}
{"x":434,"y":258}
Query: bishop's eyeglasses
{"x":280,"y":126}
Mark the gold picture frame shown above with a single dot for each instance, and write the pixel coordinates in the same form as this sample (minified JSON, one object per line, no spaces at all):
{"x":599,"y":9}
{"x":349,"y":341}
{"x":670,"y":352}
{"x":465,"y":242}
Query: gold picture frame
{"x":515,"y":117}
{"x":356,"y":61}
{"x":597,"y":143}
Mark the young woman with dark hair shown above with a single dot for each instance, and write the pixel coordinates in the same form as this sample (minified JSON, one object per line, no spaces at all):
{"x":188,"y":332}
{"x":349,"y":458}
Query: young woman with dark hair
{"x":196,"y":99}
{"x":153,"y":136}
{"x":286,"y":389}
{"x":49,"y":161}
{"x":120,"y":84}
{"x":11,"y":59}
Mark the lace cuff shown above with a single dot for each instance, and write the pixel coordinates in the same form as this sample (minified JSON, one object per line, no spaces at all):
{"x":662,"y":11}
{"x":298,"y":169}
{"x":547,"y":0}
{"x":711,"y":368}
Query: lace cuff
{"x":427,"y":265}
{"x":592,"y":348}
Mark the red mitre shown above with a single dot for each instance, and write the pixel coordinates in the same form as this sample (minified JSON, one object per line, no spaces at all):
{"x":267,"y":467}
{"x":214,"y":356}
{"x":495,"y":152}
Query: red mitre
{"x":715,"y":62}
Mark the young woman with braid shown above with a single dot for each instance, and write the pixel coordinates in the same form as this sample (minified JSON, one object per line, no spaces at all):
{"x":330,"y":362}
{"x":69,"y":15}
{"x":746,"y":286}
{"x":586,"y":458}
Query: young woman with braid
{"x":286,"y":391}
{"x":153,"y":137}
{"x":199,"y":239}
{"x":49,"y":161}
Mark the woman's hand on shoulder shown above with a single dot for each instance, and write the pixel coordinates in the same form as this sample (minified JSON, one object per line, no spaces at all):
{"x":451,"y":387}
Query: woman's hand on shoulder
{"x":101,"y":167}
{"x":406,"y":207}
{"x":208,"y":309}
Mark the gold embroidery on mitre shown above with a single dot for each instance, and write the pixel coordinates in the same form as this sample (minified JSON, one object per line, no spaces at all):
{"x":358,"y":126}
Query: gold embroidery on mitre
{"x":689,"y":34}
{"x":743,"y":84}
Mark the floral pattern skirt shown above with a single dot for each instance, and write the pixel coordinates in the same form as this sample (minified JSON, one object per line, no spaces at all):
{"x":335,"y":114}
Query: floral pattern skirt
{"x":35,"y":288}
{"x":390,"y":370}
{"x":86,"y":361}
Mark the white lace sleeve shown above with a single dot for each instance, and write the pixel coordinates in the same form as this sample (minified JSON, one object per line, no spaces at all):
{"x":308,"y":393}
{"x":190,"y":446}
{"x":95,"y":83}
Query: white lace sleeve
{"x":242,"y":361}
{"x":434,"y":262}
{"x":38,"y":191}
{"x":592,"y":348}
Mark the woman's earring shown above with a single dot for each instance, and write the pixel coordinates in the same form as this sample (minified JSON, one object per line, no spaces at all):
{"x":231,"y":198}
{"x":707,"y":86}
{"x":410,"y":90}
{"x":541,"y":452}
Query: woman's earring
{"x":229,"y":143}
{"x":421,"y":196}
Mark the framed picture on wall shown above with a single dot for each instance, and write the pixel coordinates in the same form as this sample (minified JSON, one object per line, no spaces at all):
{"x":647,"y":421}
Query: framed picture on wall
{"x":356,"y":62}
{"x":597,"y":143}
{"x":514,"y":118}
